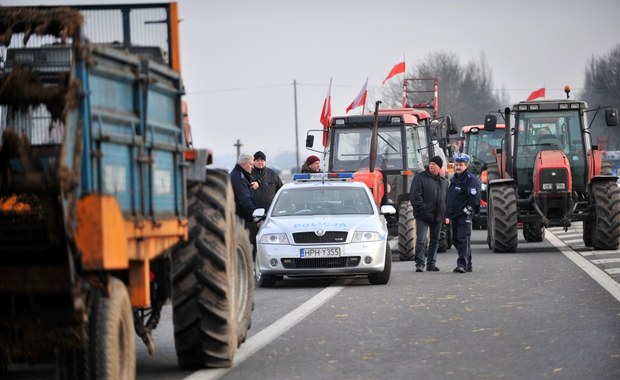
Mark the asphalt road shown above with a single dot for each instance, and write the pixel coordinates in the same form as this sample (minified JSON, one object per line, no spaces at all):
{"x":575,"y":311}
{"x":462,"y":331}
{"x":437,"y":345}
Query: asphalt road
{"x":545,"y":312}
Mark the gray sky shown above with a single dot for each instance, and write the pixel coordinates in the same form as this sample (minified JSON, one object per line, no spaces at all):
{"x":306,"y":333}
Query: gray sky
{"x":239,"y":58}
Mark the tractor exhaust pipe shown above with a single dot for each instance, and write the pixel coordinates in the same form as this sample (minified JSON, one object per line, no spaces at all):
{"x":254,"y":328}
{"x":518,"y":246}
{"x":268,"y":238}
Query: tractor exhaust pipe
{"x":373,"y":140}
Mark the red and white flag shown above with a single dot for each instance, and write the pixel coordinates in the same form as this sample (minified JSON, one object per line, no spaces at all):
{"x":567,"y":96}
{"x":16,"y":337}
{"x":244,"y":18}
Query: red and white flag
{"x":540,"y":93}
{"x":399,"y":68}
{"x":326,"y":113}
{"x":360,"y":99}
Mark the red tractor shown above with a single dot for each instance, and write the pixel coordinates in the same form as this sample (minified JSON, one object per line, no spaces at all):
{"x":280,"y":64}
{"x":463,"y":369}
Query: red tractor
{"x":549,"y":174}
{"x":386,"y":150}
{"x":480,"y":144}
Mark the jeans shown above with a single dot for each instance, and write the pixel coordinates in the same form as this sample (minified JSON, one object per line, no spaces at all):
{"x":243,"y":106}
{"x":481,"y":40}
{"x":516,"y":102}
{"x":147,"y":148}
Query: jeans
{"x":461,"y":236}
{"x":421,"y":229}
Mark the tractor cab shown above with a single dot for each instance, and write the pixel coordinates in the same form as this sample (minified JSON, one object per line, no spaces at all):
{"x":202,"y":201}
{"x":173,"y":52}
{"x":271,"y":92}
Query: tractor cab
{"x":549,"y":174}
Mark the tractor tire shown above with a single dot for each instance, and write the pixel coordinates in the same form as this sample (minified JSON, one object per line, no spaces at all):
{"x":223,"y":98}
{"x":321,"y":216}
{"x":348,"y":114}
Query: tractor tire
{"x":607,"y":219}
{"x":503,"y":218}
{"x":110,"y":352}
{"x":205,"y":277}
{"x":406,"y":232}
{"x":533,"y":232}
{"x":383,"y":277}
{"x":244,"y":282}
{"x":587,"y":233}
{"x":492,"y":172}
{"x":606,"y":168}
{"x":445,"y":238}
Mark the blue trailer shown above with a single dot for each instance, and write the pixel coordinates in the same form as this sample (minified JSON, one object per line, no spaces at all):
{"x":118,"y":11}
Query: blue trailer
{"x":107,"y":211}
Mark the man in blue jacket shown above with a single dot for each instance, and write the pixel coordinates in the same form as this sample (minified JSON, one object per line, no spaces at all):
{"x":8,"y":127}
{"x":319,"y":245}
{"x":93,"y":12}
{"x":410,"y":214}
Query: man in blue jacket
{"x":244,"y":186}
{"x":428,"y":198}
{"x":463,"y":202}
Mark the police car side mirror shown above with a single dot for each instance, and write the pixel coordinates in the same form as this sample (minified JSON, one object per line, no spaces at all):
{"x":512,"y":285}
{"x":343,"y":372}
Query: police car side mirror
{"x":388,"y":209}
{"x":258,"y":213}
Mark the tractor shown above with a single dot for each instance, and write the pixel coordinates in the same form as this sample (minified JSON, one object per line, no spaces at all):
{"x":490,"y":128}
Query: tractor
{"x":479,"y":145}
{"x":549,"y":174}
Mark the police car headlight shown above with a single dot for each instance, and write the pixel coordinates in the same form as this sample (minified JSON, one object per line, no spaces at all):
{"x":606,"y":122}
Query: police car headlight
{"x":361,"y":236}
{"x":274,"y":239}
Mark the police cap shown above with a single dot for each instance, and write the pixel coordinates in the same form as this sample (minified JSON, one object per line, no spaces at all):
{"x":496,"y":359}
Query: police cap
{"x":461,"y":157}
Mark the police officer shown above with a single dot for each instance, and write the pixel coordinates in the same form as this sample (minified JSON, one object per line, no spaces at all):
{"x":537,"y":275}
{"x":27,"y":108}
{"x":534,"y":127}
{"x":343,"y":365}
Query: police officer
{"x":463,"y":202}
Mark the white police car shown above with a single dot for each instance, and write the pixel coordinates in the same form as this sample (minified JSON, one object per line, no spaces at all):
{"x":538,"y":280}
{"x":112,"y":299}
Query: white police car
{"x":323,"y":224}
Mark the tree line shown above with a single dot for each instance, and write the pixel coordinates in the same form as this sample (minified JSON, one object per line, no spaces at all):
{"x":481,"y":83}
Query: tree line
{"x":467,"y":91}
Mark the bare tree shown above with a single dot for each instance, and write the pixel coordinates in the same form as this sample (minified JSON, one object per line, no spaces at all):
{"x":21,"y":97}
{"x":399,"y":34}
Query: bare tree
{"x":465,"y":92}
{"x":602,"y":88}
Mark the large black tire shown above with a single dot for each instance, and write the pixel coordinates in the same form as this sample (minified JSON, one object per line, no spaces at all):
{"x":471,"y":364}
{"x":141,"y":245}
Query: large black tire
{"x":533,"y":232}
{"x":445,"y":238}
{"x":110,"y":352}
{"x":383,"y":277}
{"x":607,"y":218}
{"x":492,"y":172}
{"x":406,"y":232}
{"x":587,"y":233}
{"x":503,"y":218}
{"x":205,"y":277}
{"x":606,"y":168}
{"x":244,"y":281}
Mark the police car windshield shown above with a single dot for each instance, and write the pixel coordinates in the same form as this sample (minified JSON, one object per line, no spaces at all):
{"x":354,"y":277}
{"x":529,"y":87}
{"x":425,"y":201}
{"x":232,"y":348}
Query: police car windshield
{"x":323,"y":201}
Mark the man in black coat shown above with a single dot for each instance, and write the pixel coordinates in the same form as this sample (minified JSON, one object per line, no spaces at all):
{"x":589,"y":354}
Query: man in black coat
{"x":244,"y":187}
{"x":428,"y":194}
{"x":270,"y":181}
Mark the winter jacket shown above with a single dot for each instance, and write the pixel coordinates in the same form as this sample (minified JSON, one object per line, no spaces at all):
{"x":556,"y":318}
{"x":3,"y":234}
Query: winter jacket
{"x":428,"y":196}
{"x":463,"y":195}
{"x":245,"y":197}
{"x":270,"y":183}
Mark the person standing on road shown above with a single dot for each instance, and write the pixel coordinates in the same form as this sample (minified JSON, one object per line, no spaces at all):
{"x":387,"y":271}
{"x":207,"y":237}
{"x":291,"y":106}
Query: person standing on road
{"x":270,"y":181}
{"x":312,"y":165}
{"x":244,"y":187}
{"x":463,"y":202}
{"x":428,"y":194}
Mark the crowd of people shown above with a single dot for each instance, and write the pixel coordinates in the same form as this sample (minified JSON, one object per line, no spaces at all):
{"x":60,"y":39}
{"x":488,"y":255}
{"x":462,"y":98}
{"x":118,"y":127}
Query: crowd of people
{"x":435,"y":200}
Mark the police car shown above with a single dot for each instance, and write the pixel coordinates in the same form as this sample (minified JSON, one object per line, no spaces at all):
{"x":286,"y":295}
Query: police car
{"x":323,"y":224}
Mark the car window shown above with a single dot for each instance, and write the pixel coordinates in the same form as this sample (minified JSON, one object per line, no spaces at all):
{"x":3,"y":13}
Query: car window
{"x":322,"y":201}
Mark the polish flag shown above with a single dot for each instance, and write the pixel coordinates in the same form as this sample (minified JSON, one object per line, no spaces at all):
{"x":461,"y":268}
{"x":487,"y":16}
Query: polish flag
{"x":540,"y":93}
{"x":326,"y":113}
{"x":399,"y":68}
{"x":360,"y":99}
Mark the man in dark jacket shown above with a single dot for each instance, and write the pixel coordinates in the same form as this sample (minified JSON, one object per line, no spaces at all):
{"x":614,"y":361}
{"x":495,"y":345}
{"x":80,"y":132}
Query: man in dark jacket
{"x":270,"y":181}
{"x":244,"y":187}
{"x":463,"y":202}
{"x":428,"y":198}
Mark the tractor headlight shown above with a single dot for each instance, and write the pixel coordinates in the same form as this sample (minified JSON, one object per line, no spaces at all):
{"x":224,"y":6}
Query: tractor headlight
{"x":560,"y":186}
{"x":547,"y":186}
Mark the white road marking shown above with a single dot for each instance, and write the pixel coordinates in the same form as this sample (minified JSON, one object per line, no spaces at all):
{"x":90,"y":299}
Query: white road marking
{"x":606,"y":261}
{"x":271,"y":332}
{"x":573,"y":241}
{"x":598,"y":275}
{"x":613,"y":271}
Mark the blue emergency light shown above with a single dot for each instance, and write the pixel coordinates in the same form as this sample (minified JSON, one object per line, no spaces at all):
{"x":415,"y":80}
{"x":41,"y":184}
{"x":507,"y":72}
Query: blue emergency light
{"x":322,"y":176}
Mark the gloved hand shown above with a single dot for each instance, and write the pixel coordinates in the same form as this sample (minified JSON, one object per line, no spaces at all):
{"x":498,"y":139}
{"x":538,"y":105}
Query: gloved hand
{"x":468,"y":210}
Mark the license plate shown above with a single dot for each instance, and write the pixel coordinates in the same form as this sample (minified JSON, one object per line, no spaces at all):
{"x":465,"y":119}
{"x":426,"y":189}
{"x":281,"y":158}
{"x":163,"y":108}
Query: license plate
{"x":310,"y":253}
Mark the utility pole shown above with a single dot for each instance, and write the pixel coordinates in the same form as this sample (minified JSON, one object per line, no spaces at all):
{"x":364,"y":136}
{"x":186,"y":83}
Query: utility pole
{"x":238,"y":145}
{"x":296,"y":126}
